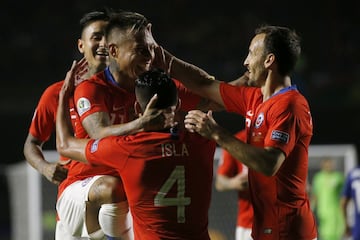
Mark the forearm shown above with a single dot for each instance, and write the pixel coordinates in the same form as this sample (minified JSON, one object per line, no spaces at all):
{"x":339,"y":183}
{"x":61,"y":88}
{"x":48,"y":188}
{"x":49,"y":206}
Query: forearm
{"x":98,"y":125}
{"x":34,"y":156}
{"x":193,"y":77}
{"x":258,"y":159}
{"x":63,"y":132}
{"x":123,"y":129}
{"x":66,"y":144}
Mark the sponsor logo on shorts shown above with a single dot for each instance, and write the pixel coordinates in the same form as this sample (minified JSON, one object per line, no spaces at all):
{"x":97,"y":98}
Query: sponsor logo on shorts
{"x":280,"y":136}
{"x":86,"y":181}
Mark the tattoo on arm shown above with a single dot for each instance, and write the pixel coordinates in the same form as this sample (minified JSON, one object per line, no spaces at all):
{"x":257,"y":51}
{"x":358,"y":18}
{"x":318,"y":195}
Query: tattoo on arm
{"x":95,"y":122}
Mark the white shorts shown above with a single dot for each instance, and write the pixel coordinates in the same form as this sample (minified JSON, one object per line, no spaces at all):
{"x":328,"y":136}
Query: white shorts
{"x":243,"y":233}
{"x":71,"y":207}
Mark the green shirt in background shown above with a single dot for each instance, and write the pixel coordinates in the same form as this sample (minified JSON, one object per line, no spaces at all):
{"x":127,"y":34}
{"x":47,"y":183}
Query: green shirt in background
{"x":326,"y":193}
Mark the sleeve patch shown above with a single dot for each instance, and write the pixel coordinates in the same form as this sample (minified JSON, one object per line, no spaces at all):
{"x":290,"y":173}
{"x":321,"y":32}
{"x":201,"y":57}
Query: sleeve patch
{"x":280,"y":136}
{"x":83,"y":105}
{"x":94,"y":146}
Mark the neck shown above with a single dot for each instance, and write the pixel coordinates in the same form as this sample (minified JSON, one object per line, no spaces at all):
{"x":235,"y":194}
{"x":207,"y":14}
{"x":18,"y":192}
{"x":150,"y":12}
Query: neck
{"x":274,"y":84}
{"x":92,"y":69}
{"x":123,"y":81}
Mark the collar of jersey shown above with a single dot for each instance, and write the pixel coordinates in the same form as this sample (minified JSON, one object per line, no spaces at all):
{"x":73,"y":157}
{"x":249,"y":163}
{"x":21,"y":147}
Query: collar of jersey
{"x":284,"y":90}
{"x":109,"y":77}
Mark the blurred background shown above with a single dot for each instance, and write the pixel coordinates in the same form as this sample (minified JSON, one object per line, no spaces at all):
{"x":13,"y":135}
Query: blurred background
{"x":39,"y":41}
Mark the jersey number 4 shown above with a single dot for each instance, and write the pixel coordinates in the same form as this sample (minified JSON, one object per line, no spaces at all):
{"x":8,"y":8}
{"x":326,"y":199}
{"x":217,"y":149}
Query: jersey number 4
{"x":177,"y":176}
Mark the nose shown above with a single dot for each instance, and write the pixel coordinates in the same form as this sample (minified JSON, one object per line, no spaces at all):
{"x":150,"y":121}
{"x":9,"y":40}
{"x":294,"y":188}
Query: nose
{"x":246,"y":61}
{"x":103,"y":42}
{"x":148,"y":53}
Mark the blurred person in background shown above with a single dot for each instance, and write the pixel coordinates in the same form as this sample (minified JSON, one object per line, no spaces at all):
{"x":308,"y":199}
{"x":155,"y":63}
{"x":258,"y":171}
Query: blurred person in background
{"x":351,"y":197}
{"x":326,"y":190}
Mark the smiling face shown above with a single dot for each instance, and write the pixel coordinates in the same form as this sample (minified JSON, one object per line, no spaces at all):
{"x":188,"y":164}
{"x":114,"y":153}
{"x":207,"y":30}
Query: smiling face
{"x":93,"y":45}
{"x":255,"y":61}
{"x":133,"y":52}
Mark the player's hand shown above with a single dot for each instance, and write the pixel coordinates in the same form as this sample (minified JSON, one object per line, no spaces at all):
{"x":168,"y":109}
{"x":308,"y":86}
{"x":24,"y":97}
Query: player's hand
{"x":157,"y":119}
{"x":81,"y":71}
{"x":240,"y":181}
{"x":76,"y":72}
{"x":55,"y":172}
{"x":200,"y":122}
{"x":160,"y":58}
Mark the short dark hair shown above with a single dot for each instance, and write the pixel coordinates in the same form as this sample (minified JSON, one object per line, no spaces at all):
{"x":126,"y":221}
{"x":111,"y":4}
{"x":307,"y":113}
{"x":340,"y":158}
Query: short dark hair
{"x":90,"y":17}
{"x":284,"y":43}
{"x":126,"y":20}
{"x":156,"y":81}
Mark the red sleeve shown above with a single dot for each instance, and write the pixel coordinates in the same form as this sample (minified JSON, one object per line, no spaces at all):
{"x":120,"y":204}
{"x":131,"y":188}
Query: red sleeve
{"x":228,"y":165}
{"x":43,"y":121}
{"x":109,"y":151}
{"x":290,"y":119}
{"x":189,"y":100}
{"x":239,"y":99}
{"x":89,"y":98}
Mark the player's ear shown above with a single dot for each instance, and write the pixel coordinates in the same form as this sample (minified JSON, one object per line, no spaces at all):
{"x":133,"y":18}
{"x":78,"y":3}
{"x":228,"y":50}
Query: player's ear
{"x":269,"y":60}
{"x":137,"y":109}
{"x":113,"y":49}
{"x":148,"y":27}
{"x":80,"y":46}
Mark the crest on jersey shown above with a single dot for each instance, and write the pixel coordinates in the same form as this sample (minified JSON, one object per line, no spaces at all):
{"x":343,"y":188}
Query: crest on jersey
{"x":83,"y":105}
{"x":259,"y":120}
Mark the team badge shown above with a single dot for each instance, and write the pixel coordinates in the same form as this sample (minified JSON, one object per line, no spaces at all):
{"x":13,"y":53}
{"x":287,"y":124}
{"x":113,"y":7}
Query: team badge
{"x":259,"y":120}
{"x":83,"y":105}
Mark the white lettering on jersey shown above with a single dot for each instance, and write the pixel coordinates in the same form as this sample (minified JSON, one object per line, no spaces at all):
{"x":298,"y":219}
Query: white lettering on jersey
{"x":249,"y":115}
{"x":175,"y":150}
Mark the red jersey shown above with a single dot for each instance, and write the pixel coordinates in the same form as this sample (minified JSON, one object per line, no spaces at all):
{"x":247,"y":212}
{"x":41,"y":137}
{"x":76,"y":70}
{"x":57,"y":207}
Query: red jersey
{"x":43,"y":122}
{"x":101,"y":93}
{"x":230,"y":167}
{"x":281,"y":205}
{"x":96,"y":94}
{"x":167,"y":179}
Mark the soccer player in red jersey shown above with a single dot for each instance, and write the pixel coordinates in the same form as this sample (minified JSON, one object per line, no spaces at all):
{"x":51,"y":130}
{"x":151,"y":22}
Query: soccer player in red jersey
{"x":93,"y":194}
{"x":279,"y":130}
{"x":167,"y":174}
{"x":233,"y":175}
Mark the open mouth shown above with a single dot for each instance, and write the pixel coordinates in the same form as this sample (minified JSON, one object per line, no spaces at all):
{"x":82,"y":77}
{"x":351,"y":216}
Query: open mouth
{"x":102,"y":52}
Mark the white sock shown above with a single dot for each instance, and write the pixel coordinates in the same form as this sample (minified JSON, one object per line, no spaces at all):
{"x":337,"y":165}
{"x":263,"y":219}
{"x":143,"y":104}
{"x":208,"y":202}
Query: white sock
{"x":98,"y":235}
{"x":116,"y":221}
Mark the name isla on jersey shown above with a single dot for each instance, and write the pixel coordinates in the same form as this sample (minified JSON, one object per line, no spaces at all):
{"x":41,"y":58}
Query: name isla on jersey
{"x":174,"y":150}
